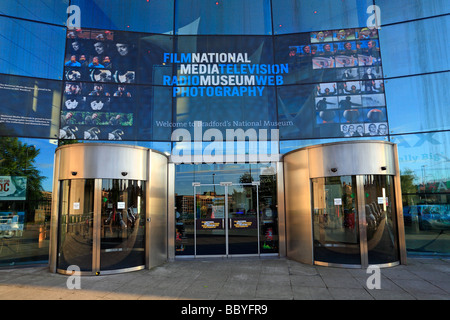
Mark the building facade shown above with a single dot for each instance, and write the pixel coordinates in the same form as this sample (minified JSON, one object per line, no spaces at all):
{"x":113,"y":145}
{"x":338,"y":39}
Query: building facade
{"x":224,"y":89}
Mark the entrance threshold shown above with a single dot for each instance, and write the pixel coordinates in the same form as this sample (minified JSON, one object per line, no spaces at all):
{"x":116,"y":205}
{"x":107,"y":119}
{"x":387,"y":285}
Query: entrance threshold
{"x":229,"y":257}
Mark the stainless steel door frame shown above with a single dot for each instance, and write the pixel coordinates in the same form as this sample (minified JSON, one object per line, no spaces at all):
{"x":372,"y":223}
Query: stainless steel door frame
{"x":97,"y":226}
{"x":362,"y":221}
{"x":226,"y":185}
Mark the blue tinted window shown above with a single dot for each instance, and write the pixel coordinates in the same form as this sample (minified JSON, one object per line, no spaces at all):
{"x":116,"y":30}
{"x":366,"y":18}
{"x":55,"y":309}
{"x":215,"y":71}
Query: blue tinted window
{"x":415,"y":47}
{"x":223,"y":17}
{"x":51,"y":11}
{"x":402,"y":10}
{"x":290,"y":16}
{"x":155,"y":16}
{"x":30,"y":107}
{"x":31,"y":49}
{"x":418,"y":103}
{"x":290,"y":145}
{"x":426,"y":155}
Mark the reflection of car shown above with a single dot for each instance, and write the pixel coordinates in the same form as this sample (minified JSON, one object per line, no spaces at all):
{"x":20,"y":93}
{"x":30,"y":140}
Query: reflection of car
{"x":429,"y":217}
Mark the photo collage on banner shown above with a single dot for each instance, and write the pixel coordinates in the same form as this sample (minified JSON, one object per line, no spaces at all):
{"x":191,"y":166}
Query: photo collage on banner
{"x":100,"y":70}
{"x":350,"y":102}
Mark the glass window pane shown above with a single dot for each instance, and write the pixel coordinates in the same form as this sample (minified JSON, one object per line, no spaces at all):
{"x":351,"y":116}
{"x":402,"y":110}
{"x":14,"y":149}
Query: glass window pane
{"x":420,"y":47}
{"x":426,"y":98}
{"x":335,"y":220}
{"x":224,"y":98}
{"x":154,"y":16}
{"x":425,"y":178}
{"x":123,"y":224}
{"x":402,"y":10}
{"x":291,"y":16}
{"x":223,"y":17}
{"x":290,"y":145}
{"x":51,"y":11}
{"x":27,"y":165}
{"x":76,"y":224}
{"x":31,"y":49}
{"x":30,"y":107}
{"x":334,"y":109}
{"x":382,"y":237}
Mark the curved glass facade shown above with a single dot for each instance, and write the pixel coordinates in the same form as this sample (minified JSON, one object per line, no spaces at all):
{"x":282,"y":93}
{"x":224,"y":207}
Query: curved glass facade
{"x":144,"y":73}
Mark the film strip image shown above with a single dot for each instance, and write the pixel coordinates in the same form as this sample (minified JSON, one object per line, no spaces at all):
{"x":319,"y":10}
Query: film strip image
{"x":351,"y":103}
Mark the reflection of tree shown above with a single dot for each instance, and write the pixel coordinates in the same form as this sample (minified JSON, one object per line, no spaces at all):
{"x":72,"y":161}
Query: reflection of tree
{"x":18,"y":159}
{"x":246,"y":178}
{"x":64,"y":142}
{"x":407,"y":178}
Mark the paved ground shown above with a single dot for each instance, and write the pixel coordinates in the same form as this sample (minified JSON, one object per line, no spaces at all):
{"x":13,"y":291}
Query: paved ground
{"x":236,"y":279}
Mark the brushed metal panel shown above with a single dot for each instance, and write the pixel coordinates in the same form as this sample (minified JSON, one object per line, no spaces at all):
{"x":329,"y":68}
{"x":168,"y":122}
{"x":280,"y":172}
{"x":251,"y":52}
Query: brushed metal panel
{"x":281,"y":210}
{"x":171,"y":212}
{"x":54,"y":222}
{"x":399,"y":208}
{"x":299,"y":237}
{"x":355,"y":158}
{"x":157,"y":209}
{"x":102,"y":161}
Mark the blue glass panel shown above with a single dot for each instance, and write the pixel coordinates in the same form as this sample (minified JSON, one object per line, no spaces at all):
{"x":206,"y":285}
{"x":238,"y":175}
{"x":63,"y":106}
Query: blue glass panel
{"x":415,"y":47}
{"x":334,"y":109}
{"x":402,"y":10}
{"x":425,"y":177}
{"x":155,"y":16}
{"x":31,"y":49}
{"x":223,"y":17}
{"x":418,"y":103}
{"x":290,"y":16}
{"x":51,"y":11}
{"x":115,"y":112}
{"x":30,"y":107}
{"x":290,"y":145}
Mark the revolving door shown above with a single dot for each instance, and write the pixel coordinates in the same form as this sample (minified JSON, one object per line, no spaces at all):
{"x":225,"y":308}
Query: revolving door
{"x":343,"y":205}
{"x":111,"y":211}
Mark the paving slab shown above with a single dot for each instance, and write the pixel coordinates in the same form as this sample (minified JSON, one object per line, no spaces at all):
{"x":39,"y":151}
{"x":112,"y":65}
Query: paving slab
{"x":236,"y":279}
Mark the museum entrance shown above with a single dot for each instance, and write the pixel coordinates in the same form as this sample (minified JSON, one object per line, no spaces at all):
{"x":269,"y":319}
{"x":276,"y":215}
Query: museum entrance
{"x":108,"y":216}
{"x":226,"y":219}
{"x":233,"y":216}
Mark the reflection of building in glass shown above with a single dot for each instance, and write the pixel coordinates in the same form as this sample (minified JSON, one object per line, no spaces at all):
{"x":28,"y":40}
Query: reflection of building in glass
{"x":105,"y":82}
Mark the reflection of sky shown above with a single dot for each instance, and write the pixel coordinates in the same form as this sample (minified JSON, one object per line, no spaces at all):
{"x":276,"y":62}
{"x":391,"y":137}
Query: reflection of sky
{"x":44,"y":161}
{"x":217,"y":173}
{"x":426,"y":154}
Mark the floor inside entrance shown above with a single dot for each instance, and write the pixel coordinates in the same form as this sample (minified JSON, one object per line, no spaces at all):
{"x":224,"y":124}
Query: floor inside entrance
{"x":235,"y":279}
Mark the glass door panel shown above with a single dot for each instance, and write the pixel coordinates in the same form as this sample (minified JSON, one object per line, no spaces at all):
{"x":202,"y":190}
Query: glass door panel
{"x":210,"y":219}
{"x":243,"y":219}
{"x":335,"y":220}
{"x":382,"y":238}
{"x":122,"y":243}
{"x":76,"y":224}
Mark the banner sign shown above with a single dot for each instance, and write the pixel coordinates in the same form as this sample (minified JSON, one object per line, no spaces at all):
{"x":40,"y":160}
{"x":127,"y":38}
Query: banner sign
{"x":13,"y":188}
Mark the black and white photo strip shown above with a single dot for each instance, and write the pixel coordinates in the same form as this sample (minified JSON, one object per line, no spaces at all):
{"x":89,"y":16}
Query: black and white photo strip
{"x":93,"y":111}
{"x":344,"y":48}
{"x":95,"y":125}
{"x":100,"y":56}
{"x":364,"y":129}
{"x":351,"y":103}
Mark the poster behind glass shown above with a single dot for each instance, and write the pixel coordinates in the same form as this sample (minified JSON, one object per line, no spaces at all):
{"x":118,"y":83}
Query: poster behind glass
{"x":347,"y":96}
{"x":27,"y":107}
{"x":102,"y":99}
